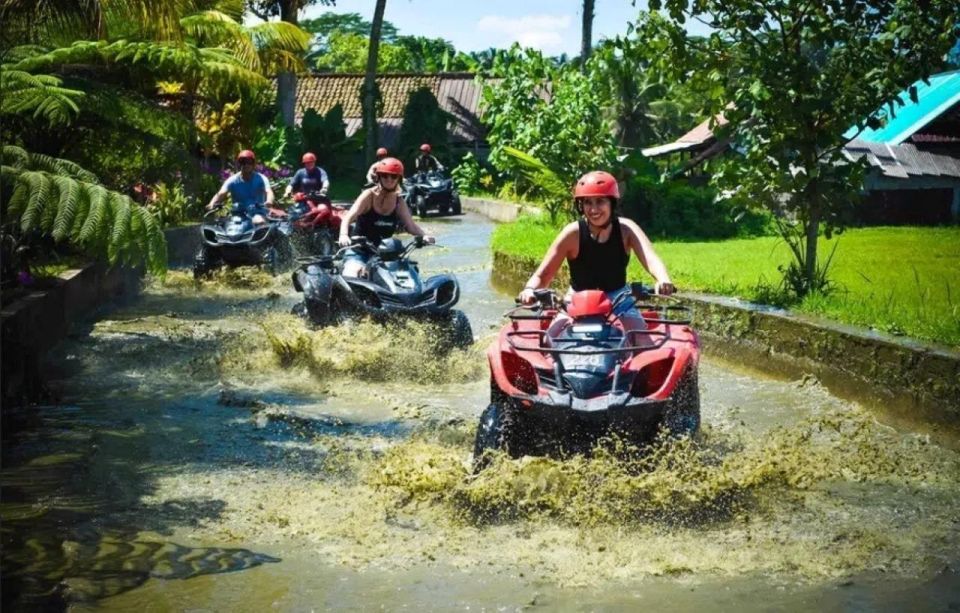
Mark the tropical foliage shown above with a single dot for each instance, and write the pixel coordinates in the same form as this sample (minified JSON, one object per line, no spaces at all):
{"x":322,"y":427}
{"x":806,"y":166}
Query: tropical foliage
{"x":130,"y":88}
{"x":552,"y":114}
{"x":423,"y":122}
{"x":800,"y":75}
{"x":58,"y":198}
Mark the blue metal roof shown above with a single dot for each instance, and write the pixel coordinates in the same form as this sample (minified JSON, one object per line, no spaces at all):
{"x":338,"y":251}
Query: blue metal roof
{"x":932,"y":100}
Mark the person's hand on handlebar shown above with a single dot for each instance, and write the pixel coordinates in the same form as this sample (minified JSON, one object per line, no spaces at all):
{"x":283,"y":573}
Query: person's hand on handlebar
{"x":429,"y":240}
{"x":527,"y":296}
{"x":345,"y":241}
{"x":664,"y":288}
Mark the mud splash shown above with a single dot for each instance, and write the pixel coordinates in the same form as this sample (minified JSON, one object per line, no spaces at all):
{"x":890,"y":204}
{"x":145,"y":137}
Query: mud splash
{"x":404,"y":350}
{"x":837,"y":495}
{"x":243,"y":277}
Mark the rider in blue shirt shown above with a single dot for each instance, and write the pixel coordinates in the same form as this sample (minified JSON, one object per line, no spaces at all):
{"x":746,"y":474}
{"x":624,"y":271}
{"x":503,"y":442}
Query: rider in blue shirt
{"x":309,"y":179}
{"x":249,"y":190}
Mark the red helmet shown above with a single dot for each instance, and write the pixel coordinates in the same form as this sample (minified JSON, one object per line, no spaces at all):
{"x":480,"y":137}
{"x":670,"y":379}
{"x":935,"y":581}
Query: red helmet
{"x":382,"y":151}
{"x":308,"y":157}
{"x":597,"y":183}
{"x":390,"y":166}
{"x":246,"y":154}
{"x":425,"y":147}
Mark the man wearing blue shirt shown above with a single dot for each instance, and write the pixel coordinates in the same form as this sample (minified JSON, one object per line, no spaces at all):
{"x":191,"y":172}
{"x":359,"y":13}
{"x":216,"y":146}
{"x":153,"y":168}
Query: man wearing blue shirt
{"x":249,"y":190}
{"x":309,"y":179}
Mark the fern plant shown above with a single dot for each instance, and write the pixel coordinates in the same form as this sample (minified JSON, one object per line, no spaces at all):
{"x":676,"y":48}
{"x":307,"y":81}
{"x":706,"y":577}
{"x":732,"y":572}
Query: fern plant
{"x":59,"y":198}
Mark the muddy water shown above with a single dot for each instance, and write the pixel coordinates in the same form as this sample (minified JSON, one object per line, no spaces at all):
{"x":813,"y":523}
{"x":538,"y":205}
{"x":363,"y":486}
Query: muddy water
{"x":211,"y":452}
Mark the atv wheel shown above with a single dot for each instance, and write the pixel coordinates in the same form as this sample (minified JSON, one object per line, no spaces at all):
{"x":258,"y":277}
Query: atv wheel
{"x":458,"y":330}
{"x":421,"y":206}
{"x":495,"y":432}
{"x":317,"y":314}
{"x":457,"y":206}
{"x":204,"y":262}
{"x":323,"y":243}
{"x":271,"y":260}
{"x":683,"y":415}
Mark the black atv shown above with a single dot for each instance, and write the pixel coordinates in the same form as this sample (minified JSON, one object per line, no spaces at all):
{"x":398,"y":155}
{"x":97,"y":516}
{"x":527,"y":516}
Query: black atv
{"x":393,"y":288}
{"x":234,"y":240}
{"x":428,"y":191}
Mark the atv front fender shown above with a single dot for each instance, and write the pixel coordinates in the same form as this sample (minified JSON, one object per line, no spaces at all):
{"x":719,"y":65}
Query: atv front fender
{"x":315,"y":287}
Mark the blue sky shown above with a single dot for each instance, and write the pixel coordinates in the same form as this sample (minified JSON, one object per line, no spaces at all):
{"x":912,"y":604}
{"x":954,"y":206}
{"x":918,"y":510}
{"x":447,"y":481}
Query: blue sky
{"x":552,"y":26}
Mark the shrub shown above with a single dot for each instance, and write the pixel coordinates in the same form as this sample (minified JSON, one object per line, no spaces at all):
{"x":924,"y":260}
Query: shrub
{"x":172,"y":206}
{"x":679,"y":210}
{"x":424,"y":121}
{"x":467,"y":175}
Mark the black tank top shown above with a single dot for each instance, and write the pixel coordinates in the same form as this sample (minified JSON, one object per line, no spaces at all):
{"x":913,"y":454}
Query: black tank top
{"x":599,"y":265}
{"x":376,"y":227}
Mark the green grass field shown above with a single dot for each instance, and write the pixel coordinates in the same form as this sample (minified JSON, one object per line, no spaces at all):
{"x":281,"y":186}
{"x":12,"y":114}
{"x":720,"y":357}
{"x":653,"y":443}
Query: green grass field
{"x":904,"y":280}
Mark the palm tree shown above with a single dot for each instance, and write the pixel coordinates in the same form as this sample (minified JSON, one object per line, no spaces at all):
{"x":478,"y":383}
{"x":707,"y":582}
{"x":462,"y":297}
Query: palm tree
{"x":370,"y":83}
{"x":289,"y":12}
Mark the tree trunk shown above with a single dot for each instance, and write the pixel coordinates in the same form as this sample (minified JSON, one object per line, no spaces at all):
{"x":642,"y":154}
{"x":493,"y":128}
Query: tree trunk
{"x":287,"y":81}
{"x":810,"y":257}
{"x":370,"y":83}
{"x":586,"y":40}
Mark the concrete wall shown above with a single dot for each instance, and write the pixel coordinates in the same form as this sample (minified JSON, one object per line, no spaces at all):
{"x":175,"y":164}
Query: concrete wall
{"x":33,"y":324}
{"x":37,"y":321}
{"x":497,"y":210}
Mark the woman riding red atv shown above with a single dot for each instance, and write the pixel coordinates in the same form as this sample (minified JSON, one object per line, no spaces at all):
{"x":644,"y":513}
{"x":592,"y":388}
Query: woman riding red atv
{"x":597,"y":247}
{"x":571,"y":372}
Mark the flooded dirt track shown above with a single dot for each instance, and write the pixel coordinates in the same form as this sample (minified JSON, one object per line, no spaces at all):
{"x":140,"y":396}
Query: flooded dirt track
{"x":212,"y":452}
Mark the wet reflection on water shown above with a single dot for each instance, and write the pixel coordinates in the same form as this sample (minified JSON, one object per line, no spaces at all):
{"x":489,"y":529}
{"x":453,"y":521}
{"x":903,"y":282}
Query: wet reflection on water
{"x":205,"y":430}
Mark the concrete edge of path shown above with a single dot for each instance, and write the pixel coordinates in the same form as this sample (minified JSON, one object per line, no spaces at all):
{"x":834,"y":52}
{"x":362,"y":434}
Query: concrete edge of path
{"x":908,"y":381}
{"x":498,"y":210}
{"x":34,"y":323}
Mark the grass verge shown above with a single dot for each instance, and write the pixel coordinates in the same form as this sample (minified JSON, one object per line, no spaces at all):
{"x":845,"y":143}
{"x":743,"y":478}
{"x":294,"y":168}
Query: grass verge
{"x":902,"y":280}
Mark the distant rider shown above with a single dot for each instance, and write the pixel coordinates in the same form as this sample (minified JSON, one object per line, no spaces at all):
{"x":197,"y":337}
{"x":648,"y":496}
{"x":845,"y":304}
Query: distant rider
{"x":372,"y":173}
{"x":309,"y":179}
{"x":426,"y":162}
{"x":378,"y":212}
{"x":597,"y":247}
{"x":249,"y":190}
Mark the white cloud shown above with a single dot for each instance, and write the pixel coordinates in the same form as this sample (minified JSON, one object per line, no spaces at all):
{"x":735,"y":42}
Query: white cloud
{"x":544,"y":32}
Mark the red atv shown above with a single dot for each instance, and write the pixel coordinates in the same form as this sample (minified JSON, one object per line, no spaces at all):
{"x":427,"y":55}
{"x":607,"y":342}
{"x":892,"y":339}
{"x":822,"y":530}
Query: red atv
{"x":316,"y":224}
{"x":564,"y":376}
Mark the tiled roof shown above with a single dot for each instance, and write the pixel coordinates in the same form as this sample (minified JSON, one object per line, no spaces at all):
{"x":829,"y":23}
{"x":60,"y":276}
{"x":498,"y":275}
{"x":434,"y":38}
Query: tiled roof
{"x":457,"y":93}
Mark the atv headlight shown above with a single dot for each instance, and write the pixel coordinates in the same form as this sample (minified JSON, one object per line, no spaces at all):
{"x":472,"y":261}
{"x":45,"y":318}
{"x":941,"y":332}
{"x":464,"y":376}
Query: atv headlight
{"x":260,"y":233}
{"x":652,"y":377}
{"x":210,"y":235}
{"x":520,"y":373}
{"x":446,"y":293}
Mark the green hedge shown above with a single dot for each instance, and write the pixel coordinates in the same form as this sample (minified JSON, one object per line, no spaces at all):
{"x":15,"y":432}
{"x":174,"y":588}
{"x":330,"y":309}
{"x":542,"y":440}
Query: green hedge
{"x":681,"y":211}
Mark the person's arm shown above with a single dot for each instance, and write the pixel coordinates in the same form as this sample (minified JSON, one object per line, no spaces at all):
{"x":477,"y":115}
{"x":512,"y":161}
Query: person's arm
{"x":295,"y":183}
{"x":219,"y":195}
{"x":371,"y":175}
{"x":268,"y":191}
{"x":406,"y":219}
{"x":360,"y":206}
{"x":563,"y":247}
{"x":325,"y":180}
{"x":648,"y":257}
